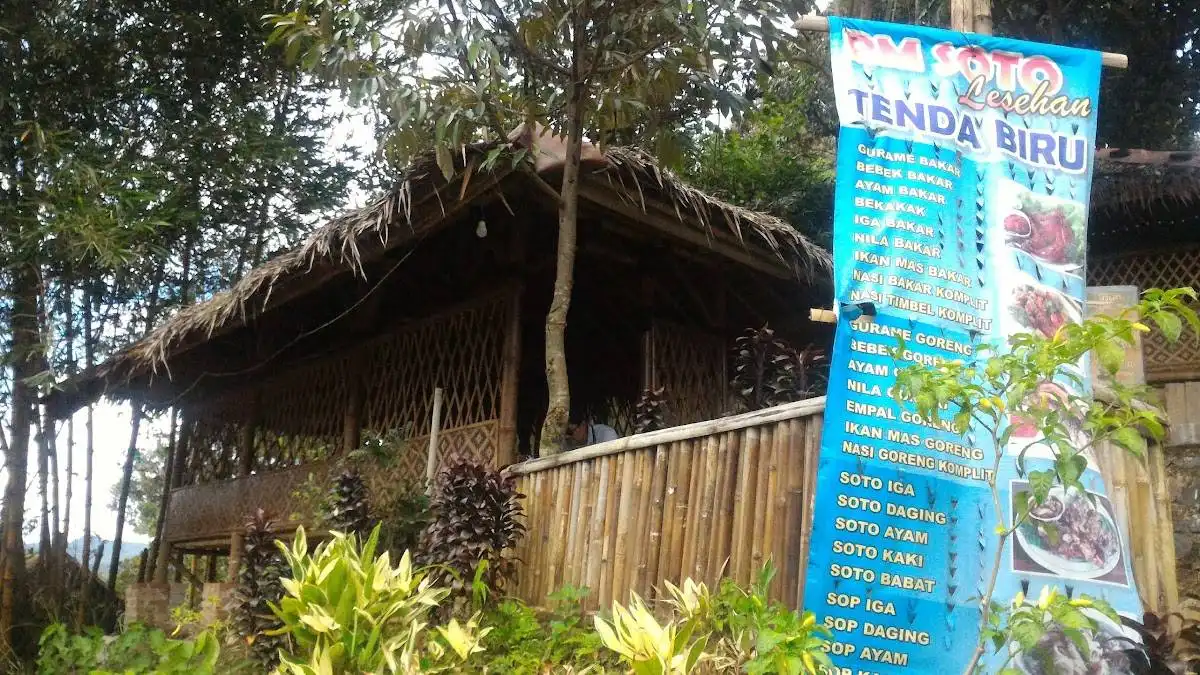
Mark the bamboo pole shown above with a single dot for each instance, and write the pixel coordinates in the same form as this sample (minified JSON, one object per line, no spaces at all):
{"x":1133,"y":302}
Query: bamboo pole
{"x":625,"y":512}
{"x":692,"y":516}
{"x":607,"y":593}
{"x":1165,"y":531}
{"x":510,"y":369}
{"x":641,"y":532}
{"x":708,"y":494}
{"x":744,"y":507}
{"x":654,"y":541}
{"x":821,"y":24}
{"x":595,"y":544}
{"x":670,"y":523}
{"x":435,"y":428}
{"x":574,"y":561}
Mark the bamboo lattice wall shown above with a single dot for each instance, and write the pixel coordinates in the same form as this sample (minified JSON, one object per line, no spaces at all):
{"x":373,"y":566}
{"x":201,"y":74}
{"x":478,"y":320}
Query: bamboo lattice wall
{"x":703,"y":500}
{"x":299,"y":415}
{"x":1158,"y":269}
{"x":691,"y":366}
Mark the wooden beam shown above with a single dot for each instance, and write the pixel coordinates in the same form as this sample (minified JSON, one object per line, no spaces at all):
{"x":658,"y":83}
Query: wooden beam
{"x":721,"y":243}
{"x":510,"y":371}
{"x":821,"y":24}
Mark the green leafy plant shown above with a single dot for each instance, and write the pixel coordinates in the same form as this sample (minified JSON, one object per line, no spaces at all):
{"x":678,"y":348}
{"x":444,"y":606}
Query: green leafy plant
{"x":476,"y":519}
{"x":767,"y":371}
{"x":1003,"y":391}
{"x":348,"y":611}
{"x":734,"y":630}
{"x":348,"y":509}
{"x":559,"y":639}
{"x":402,"y":515}
{"x":137,"y":650}
{"x":259,"y":586}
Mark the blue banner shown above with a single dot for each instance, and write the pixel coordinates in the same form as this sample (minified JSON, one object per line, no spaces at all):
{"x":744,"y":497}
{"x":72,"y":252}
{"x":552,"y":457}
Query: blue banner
{"x":964,"y":169}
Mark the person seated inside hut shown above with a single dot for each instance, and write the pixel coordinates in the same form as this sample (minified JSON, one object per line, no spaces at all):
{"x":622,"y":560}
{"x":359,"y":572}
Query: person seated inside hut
{"x":583,"y":430}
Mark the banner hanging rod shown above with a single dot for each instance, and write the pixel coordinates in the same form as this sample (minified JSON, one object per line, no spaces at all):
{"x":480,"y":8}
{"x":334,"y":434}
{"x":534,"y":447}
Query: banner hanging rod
{"x":821,"y":24}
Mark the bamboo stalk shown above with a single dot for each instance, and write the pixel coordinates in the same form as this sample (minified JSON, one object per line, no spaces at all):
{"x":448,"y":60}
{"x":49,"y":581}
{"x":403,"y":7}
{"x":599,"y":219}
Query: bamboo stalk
{"x":743,"y":499}
{"x":691,"y":517}
{"x":625,"y":514}
{"x":725,"y":524}
{"x":596,"y":533}
{"x":557,"y":535}
{"x":775,"y":546}
{"x":435,"y":428}
{"x":658,"y":496}
{"x":607,"y":593}
{"x":641,"y":529}
{"x":1166,"y":530}
{"x":678,"y":516}
{"x":669,"y":523}
{"x":715,"y":557}
{"x":812,"y":451}
{"x":761,"y":504}
{"x":708,"y":491}
{"x":571,"y":561}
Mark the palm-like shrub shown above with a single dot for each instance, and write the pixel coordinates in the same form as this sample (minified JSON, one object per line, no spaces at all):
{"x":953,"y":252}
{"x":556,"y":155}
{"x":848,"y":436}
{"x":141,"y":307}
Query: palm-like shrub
{"x":767,"y":371}
{"x":650,"y":413}
{"x":349,"y":509}
{"x":476,"y":518}
{"x":259,"y":585}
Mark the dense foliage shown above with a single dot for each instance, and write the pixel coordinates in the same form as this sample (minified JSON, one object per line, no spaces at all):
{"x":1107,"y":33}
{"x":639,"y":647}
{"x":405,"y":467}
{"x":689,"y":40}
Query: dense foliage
{"x":260,"y":585}
{"x":136,"y":651}
{"x":476,"y":520}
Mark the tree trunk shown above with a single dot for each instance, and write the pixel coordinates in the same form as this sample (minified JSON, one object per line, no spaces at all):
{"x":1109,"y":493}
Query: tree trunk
{"x":89,"y":347}
{"x":70,"y":338}
{"x":135,"y":424}
{"x":25,"y":345}
{"x":163,"y":498}
{"x":554,"y":427}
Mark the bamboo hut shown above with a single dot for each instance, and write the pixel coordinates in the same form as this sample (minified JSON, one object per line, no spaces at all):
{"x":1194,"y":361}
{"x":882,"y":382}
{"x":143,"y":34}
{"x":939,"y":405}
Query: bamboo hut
{"x":1145,"y":233}
{"x":444,"y":283}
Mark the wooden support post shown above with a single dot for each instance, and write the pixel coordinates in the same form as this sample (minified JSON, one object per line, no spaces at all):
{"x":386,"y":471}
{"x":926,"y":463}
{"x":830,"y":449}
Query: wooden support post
{"x":510,"y":370}
{"x":352,"y":421}
{"x":435,"y":427}
{"x":246,"y":439}
{"x":237,"y":549}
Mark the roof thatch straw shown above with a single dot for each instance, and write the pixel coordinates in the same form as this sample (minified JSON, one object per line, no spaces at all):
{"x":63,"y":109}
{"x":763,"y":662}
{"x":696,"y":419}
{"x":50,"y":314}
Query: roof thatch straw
{"x":420,"y":200}
{"x":1128,"y":181}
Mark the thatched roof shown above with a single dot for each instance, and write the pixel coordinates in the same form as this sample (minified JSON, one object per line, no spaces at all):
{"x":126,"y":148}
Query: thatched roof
{"x":1143,"y":198}
{"x":1131,"y":180}
{"x":421,"y":199}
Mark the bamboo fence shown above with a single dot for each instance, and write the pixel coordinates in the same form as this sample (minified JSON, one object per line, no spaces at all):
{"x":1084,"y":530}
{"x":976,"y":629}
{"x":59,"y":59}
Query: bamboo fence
{"x":722,"y":497}
{"x":704,"y":500}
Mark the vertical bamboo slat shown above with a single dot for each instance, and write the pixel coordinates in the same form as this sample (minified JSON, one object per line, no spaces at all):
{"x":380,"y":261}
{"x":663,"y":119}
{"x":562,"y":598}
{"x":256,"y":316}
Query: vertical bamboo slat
{"x":654,"y":541}
{"x":744,"y":506}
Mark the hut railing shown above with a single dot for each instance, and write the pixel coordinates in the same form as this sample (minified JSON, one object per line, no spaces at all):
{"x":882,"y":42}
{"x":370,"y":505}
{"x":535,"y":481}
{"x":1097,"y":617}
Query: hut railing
{"x":705,"y":500}
{"x":207,"y":514}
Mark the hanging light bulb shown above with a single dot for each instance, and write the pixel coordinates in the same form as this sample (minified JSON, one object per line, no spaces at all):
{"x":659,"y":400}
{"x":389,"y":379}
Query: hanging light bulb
{"x":481,"y":229}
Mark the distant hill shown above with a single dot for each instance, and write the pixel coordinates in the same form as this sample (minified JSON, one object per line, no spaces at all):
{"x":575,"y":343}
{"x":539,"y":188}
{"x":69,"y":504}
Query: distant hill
{"x":129,"y":549}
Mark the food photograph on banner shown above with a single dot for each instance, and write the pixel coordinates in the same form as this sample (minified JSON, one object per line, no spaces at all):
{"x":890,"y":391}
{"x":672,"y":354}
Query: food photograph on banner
{"x":963,"y":178}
